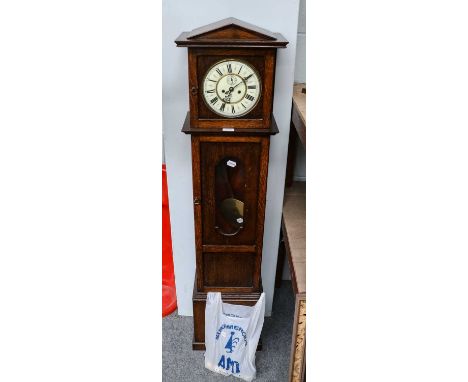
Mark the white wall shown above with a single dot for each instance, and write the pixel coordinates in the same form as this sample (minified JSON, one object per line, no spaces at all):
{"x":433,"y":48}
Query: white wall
{"x":300,"y":76}
{"x":300,"y":69}
{"x":184,"y":15}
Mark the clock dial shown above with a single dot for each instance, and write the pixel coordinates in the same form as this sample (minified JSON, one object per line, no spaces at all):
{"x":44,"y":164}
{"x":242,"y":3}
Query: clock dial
{"x":231,"y":88}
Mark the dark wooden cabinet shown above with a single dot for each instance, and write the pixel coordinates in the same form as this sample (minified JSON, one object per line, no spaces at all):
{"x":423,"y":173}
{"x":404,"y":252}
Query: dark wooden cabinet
{"x":231,"y":170}
{"x":231,"y":67}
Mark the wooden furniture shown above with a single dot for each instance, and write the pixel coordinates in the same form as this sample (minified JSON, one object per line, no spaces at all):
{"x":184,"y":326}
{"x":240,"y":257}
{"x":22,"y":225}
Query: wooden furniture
{"x":293,"y":227}
{"x":231,"y":70}
{"x":293,"y":237}
{"x":298,"y":116}
{"x":297,"y":128}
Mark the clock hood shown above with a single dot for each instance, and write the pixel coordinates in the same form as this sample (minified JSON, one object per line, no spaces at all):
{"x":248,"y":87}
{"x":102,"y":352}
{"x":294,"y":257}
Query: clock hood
{"x":231,"y":32}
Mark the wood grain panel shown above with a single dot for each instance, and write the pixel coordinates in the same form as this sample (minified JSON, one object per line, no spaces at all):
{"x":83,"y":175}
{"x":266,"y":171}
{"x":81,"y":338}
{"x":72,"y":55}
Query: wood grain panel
{"x":230,"y":248}
{"x":247,"y":154}
{"x":196,"y":177}
{"x":228,"y":269}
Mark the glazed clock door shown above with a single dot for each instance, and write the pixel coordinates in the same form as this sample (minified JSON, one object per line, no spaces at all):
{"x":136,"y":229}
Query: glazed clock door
{"x":229,"y":192}
{"x":231,"y":210}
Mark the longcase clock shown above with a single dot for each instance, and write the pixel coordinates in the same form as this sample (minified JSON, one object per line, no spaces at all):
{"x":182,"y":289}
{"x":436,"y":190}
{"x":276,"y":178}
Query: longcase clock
{"x":231,"y":67}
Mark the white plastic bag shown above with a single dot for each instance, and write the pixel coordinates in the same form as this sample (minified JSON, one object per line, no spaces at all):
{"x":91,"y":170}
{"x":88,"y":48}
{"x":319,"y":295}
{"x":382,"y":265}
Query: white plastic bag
{"x":231,"y":336}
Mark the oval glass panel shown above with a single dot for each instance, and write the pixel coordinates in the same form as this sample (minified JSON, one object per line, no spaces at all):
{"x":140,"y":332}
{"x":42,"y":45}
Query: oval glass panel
{"x":230,"y":184}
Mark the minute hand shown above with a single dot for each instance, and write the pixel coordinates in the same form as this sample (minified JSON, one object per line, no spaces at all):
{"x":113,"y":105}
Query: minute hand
{"x":235,"y":86}
{"x":245,"y":79}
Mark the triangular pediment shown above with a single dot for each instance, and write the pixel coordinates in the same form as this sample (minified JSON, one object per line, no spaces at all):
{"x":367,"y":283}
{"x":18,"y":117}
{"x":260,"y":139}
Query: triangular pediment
{"x":231,"y":32}
{"x":231,"y":29}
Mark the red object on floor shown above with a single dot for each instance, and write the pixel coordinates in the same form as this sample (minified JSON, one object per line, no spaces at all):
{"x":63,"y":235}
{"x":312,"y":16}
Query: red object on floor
{"x":169,"y":298}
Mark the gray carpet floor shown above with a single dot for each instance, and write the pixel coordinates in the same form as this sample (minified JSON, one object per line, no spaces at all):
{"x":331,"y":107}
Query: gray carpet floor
{"x":181,"y":364}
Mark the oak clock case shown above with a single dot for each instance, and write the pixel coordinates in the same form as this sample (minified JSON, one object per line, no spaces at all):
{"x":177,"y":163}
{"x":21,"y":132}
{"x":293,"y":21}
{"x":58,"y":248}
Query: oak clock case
{"x":231,"y":67}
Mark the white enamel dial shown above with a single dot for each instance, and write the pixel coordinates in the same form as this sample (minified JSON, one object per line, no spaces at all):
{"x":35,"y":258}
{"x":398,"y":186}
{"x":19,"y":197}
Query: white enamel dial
{"x":231,"y":88}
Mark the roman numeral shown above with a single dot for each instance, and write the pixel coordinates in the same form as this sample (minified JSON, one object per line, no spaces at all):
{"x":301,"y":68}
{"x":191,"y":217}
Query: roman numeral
{"x":219,"y":71}
{"x":240,"y":69}
{"x":210,"y":91}
{"x":222,"y":107}
{"x":214,"y":100}
{"x":243,"y":105}
{"x":229,"y":67}
{"x":246,"y":78}
{"x":209,"y":79}
{"x":233,"y":111}
{"x":249,"y":97}
{"x":252,"y":87}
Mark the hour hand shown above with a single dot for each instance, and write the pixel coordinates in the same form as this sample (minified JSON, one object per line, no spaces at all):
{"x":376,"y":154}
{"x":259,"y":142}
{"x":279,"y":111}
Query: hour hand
{"x":227,"y":96}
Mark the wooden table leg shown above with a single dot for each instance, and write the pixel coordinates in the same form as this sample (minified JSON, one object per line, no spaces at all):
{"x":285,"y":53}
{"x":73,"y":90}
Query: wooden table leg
{"x":297,"y":367}
{"x":280,"y":261}
{"x":291,"y":155}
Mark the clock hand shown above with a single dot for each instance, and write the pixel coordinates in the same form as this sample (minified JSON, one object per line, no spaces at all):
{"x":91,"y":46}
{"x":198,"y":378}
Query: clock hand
{"x":245,"y":79}
{"x":231,"y":89}
{"x":236,"y":86}
{"x":227,"y":96}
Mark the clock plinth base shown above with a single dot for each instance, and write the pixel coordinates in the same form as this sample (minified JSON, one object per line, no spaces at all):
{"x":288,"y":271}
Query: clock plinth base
{"x":199,"y":303}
